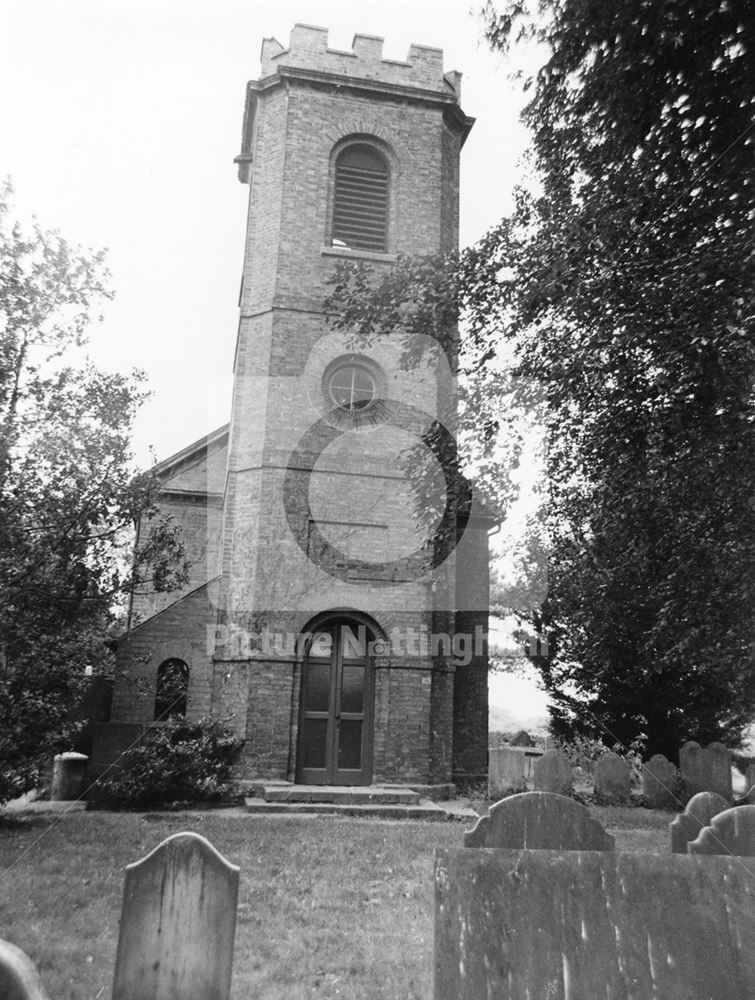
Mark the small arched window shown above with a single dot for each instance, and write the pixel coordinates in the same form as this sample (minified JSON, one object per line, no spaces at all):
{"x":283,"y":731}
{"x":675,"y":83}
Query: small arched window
{"x":172,"y":689}
{"x":360,"y":199}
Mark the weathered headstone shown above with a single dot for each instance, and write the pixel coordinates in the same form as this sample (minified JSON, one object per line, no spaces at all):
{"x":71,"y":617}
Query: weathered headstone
{"x":699,"y":811}
{"x":69,"y":776}
{"x":19,"y":979}
{"x":505,"y":771}
{"x":578,"y":925}
{"x":553,"y":773}
{"x":730,"y":832}
{"x":612,"y":777}
{"x":177,"y":924}
{"x":522,"y":739}
{"x":539,"y":821}
{"x":706,"y":770}
{"x":661,"y":784}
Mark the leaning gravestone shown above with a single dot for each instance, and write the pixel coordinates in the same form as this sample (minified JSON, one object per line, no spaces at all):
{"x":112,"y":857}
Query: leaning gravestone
{"x":505,"y":771}
{"x":661,"y":783}
{"x":730,"y":832}
{"x":553,"y":773}
{"x":539,"y":821}
{"x":707,"y":770}
{"x":177,"y":924}
{"x":578,"y":925}
{"x":612,"y":777}
{"x":699,"y":811}
{"x":19,"y":979}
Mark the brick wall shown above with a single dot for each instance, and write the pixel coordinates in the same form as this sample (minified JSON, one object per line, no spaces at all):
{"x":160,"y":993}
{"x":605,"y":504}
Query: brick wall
{"x":357,"y":493}
{"x":311,"y":99}
{"x":470,"y":754}
{"x":181,"y":631}
{"x":193,"y":488}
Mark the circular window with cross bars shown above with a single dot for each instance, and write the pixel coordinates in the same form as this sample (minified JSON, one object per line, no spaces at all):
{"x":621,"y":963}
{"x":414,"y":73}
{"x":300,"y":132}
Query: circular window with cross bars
{"x":351,"y":385}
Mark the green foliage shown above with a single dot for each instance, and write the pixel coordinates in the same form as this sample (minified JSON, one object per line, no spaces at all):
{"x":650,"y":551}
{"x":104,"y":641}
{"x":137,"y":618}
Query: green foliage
{"x":584,"y":752}
{"x":69,"y":496}
{"x":629,"y":298}
{"x":419,"y":303}
{"x":614,"y":308}
{"x":176,"y":763}
{"x":742,"y":761}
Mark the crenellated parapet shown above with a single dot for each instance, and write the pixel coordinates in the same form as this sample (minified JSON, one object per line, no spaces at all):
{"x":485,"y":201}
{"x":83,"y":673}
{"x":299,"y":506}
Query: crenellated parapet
{"x":308,"y":50}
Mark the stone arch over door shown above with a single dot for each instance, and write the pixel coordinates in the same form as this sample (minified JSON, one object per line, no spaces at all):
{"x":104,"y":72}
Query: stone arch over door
{"x":337,"y":700}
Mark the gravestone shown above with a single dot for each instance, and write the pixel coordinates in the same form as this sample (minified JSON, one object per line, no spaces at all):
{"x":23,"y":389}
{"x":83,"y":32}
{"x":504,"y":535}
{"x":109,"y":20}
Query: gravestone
{"x":699,"y":811}
{"x":539,"y":821}
{"x":578,"y":925}
{"x":730,"y":832}
{"x":612,"y":777}
{"x":69,"y":776}
{"x":522,"y":739}
{"x":19,"y":979}
{"x":661,"y":783}
{"x":706,"y":770}
{"x":505,"y":771}
{"x":553,"y":773}
{"x":178,"y":922}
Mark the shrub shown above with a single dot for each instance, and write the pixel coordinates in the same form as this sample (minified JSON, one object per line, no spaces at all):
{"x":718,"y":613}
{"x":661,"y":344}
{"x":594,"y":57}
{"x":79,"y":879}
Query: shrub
{"x":175,"y":764}
{"x":582,"y":752}
{"x":742,"y":761}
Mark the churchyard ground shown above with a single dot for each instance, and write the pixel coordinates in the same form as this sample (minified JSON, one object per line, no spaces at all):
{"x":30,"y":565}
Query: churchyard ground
{"x":328,"y":908}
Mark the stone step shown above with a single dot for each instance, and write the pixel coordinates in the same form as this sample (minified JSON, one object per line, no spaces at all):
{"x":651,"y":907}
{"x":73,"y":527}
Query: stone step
{"x":438,"y":793}
{"x":338,"y":795}
{"x":423,"y":809}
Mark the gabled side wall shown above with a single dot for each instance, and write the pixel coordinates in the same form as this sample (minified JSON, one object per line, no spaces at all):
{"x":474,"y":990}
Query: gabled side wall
{"x":180,"y":631}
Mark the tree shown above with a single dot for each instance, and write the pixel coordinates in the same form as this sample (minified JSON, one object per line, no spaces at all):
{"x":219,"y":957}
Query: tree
{"x":620,"y":295}
{"x":69,"y":496}
{"x":630,"y":300}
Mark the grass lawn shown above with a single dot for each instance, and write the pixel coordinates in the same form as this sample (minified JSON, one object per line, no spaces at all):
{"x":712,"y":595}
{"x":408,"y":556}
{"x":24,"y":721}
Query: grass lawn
{"x":327,"y":907}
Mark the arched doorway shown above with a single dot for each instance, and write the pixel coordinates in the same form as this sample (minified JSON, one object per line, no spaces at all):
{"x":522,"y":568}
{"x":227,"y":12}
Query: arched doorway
{"x":336,"y":704}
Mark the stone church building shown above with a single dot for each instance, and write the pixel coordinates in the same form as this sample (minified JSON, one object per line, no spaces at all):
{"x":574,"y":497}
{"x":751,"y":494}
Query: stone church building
{"x":324,"y":621}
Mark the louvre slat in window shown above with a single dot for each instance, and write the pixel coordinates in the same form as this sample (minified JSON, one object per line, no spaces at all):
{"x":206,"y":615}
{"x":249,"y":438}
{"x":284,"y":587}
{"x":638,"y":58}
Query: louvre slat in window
{"x":359,"y":199}
{"x":360,"y":202}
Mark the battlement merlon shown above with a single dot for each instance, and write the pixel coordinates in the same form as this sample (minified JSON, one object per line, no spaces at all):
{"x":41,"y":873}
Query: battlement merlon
{"x":308,"y":49}
{"x":309,"y":60}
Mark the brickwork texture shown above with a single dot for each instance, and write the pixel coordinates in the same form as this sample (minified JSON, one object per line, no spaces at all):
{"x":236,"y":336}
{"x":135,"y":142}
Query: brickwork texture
{"x":255,"y":516}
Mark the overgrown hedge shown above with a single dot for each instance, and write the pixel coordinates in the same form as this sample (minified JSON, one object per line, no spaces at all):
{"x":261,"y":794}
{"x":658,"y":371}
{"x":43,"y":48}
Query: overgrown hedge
{"x":176,"y":764}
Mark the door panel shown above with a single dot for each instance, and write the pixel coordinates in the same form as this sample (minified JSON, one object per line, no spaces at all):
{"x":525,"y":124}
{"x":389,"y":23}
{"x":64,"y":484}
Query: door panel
{"x":352,"y":688}
{"x":335,"y":720}
{"x":312,"y":744}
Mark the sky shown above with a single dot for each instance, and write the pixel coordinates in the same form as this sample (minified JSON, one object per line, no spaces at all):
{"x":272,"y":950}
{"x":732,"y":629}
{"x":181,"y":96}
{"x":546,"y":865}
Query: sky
{"x":119,"y":122}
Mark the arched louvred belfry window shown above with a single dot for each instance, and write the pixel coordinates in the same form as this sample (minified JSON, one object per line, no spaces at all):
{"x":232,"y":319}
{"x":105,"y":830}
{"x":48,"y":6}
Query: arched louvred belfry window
{"x":172,"y":689}
{"x":360,"y":199}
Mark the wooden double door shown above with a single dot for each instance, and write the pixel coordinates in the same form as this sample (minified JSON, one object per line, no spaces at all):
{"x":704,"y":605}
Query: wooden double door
{"x":336,"y":707}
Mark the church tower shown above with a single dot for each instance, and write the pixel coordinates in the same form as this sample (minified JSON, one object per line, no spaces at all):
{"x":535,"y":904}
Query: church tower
{"x":335,"y":629}
{"x":346,"y":633}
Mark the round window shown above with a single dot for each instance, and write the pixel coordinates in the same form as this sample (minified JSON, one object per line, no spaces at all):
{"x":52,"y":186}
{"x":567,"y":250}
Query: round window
{"x":351,"y":386}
